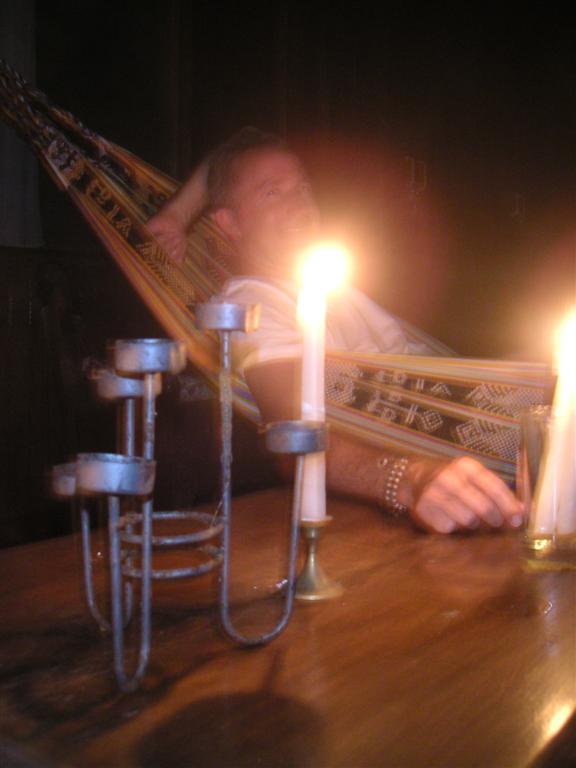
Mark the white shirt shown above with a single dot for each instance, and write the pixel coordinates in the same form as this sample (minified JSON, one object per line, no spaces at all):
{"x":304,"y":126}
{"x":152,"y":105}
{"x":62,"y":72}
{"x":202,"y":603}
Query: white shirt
{"x":354,"y":323}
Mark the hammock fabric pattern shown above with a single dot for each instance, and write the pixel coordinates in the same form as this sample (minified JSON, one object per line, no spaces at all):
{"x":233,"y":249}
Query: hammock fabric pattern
{"x":439,"y":405}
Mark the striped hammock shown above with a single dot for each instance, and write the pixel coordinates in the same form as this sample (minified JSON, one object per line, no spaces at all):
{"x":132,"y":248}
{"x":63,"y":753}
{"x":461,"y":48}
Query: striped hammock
{"x":438,"y":405}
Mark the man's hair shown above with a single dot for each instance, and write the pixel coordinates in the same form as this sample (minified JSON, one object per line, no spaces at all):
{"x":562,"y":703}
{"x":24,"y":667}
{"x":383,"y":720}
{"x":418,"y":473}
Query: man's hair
{"x":221,"y":162}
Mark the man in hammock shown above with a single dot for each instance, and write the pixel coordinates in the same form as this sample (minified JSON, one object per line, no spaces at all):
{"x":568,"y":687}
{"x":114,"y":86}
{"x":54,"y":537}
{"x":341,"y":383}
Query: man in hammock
{"x":258,"y":193}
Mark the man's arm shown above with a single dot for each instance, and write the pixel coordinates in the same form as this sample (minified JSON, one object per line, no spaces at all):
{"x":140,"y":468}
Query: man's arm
{"x":442,"y":496}
{"x":170,"y":225}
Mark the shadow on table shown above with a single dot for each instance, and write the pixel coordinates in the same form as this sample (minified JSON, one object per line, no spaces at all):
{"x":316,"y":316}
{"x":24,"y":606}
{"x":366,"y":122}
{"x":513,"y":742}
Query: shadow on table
{"x":259,"y":729}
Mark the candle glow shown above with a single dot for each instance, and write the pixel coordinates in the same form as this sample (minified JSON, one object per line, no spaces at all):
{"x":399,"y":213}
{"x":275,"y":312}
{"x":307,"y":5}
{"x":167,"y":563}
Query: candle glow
{"x":324,"y":267}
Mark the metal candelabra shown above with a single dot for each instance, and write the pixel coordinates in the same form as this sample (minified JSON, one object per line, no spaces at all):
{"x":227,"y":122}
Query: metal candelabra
{"x":127,"y":478}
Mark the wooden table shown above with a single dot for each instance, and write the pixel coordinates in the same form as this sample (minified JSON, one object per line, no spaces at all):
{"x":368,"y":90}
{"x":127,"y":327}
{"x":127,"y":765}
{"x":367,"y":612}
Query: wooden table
{"x":441,"y":652}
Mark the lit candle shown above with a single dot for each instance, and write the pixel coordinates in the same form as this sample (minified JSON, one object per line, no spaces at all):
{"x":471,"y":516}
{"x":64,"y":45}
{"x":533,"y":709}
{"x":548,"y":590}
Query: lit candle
{"x":555,"y":495}
{"x":322,"y":271}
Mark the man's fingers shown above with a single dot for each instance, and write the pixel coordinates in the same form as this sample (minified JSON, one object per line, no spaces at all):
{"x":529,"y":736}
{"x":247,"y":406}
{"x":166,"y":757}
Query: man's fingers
{"x":174,"y":246}
{"x":467,"y":493}
{"x":171,"y":236}
{"x":482,"y":506}
{"x":443,"y":496}
{"x":496,"y":492}
{"x":433,"y":518}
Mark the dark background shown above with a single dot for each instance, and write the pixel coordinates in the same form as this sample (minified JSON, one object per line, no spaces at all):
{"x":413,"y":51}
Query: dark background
{"x":442,"y":150}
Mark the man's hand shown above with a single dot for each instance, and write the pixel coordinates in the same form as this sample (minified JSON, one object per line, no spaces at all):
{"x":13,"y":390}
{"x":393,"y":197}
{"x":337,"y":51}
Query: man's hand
{"x":170,"y":225}
{"x":170,"y":231}
{"x":459,"y":495}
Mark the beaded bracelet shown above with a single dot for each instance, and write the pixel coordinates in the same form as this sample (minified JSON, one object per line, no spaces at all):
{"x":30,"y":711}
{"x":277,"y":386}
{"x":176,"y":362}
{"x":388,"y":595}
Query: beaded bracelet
{"x":394,"y":471}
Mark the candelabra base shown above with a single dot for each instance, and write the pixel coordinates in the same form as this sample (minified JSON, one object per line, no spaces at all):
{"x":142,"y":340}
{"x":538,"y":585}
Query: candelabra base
{"x":312,"y":583}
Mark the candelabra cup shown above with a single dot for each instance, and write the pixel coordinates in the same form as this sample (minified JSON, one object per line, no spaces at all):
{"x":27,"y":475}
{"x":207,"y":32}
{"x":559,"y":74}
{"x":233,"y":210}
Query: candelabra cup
{"x":62,"y":480}
{"x":550,"y":530}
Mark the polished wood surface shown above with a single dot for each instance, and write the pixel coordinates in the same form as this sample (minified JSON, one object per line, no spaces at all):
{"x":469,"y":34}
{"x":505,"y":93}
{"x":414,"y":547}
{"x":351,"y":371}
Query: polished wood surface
{"x":441,"y":651}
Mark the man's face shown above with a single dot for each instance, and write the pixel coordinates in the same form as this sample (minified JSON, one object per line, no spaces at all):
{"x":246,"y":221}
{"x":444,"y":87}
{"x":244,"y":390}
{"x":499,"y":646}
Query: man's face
{"x":272,"y":214}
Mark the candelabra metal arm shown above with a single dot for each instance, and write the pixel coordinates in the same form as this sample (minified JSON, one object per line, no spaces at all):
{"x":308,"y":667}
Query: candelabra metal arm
{"x":88,"y":576}
{"x":129,"y":683}
{"x":226,"y":464}
{"x":290,"y":581}
{"x":127,"y":427}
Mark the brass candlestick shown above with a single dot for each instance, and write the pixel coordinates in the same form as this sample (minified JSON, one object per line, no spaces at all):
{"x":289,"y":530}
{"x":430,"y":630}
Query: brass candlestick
{"x":312,"y":583}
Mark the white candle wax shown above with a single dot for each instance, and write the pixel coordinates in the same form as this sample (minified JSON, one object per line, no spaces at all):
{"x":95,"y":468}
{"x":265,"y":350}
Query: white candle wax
{"x":555,"y":496}
{"x":312,"y":314}
{"x":323,"y":271}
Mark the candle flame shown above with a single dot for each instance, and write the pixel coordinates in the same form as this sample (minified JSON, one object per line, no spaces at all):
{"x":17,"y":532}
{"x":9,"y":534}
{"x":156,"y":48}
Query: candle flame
{"x":324,"y":267}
